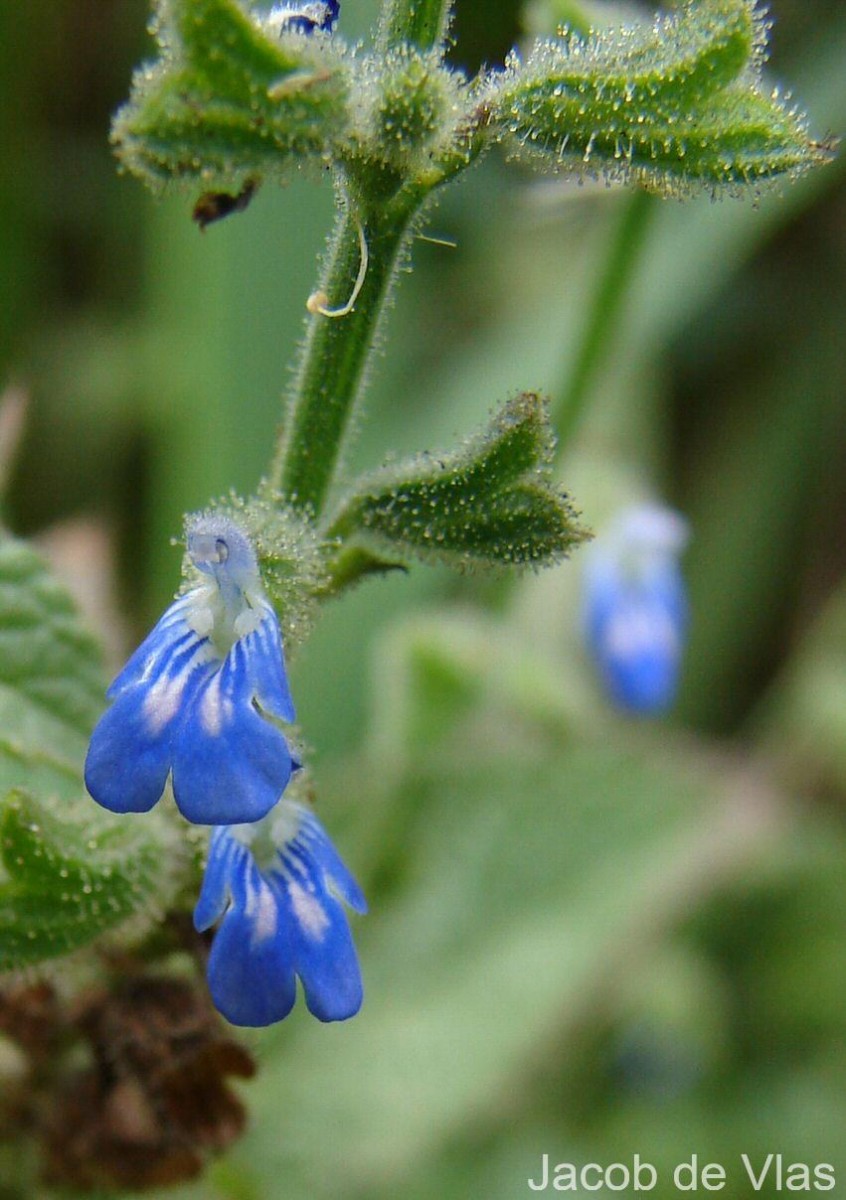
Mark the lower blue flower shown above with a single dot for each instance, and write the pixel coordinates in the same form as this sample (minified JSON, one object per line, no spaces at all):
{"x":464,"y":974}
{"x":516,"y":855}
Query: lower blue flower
{"x":278,"y":886}
{"x":635,"y":608}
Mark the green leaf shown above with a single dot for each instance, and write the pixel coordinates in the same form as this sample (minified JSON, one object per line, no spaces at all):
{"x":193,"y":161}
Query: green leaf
{"x":677,"y":102}
{"x":663,"y":68}
{"x":68,"y":871}
{"x":228,"y":101}
{"x":52,"y":685}
{"x":66,"y":881}
{"x":490,"y":502}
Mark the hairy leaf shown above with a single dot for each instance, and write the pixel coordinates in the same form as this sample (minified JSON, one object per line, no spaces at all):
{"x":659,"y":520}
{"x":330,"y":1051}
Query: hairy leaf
{"x":68,"y":872}
{"x":67,"y":882}
{"x":489,"y":502}
{"x":51,"y":680}
{"x":664,"y":68}
{"x":227,"y":100}
{"x":674,"y":103}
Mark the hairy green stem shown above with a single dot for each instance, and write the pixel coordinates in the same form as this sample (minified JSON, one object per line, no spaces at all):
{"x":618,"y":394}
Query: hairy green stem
{"x":336,"y":351}
{"x":421,"y":22}
{"x":604,"y":312}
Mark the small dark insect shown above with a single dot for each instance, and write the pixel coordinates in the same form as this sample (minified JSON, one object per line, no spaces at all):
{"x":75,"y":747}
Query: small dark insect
{"x":214,"y":206}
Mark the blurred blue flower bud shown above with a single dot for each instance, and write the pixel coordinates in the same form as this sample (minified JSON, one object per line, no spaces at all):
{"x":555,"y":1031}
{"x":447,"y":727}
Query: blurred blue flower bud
{"x":199,"y":700}
{"x":635,"y":609}
{"x":277,"y":885}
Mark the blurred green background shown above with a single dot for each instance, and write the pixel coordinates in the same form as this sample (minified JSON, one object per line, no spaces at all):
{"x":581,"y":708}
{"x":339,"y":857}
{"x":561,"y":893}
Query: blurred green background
{"x":588,"y":937}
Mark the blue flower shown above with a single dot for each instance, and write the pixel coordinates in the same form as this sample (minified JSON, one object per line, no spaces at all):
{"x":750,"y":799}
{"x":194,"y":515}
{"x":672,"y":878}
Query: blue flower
{"x":200,"y":700}
{"x":635,"y":607}
{"x":277,"y":884}
{"x":304,"y":17}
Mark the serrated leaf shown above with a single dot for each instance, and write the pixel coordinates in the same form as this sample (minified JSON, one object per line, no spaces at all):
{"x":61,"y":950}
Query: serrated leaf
{"x":66,"y":882}
{"x":226,"y":101}
{"x":68,"y":872}
{"x":744,"y":137}
{"x":489,"y":502}
{"x":52,"y":685}
{"x":678,"y":102}
{"x":662,"y":69}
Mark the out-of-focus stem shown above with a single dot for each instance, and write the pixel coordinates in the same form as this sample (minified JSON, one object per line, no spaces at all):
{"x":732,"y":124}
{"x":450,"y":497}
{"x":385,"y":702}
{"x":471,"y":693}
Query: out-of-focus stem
{"x":604,"y":311}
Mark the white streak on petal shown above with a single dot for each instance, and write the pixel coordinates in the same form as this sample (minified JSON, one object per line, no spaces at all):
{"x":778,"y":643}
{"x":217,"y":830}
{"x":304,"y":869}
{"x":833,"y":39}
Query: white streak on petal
{"x":163,"y":699}
{"x":262,"y":911}
{"x":161,"y":704}
{"x":309,"y":911}
{"x":215,"y":709}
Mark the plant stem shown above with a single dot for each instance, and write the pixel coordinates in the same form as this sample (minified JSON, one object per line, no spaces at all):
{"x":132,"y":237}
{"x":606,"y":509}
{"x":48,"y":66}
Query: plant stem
{"x":603,"y":315}
{"x":421,"y":22}
{"x":336,"y":351}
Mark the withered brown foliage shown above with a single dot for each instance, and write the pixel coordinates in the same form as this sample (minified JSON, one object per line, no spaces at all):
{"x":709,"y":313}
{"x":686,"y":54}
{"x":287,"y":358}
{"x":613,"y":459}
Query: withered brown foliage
{"x":126,"y":1088}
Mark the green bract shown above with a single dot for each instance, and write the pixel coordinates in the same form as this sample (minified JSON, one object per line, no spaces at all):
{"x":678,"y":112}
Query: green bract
{"x":51,"y":679}
{"x":490,"y":502}
{"x":227,"y":100}
{"x":67,"y":874}
{"x":678,"y":101}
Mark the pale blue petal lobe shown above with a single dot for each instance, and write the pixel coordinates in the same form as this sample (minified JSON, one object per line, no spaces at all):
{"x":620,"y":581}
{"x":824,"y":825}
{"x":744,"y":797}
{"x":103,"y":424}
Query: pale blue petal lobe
{"x":251,"y":972}
{"x":305,"y":16}
{"x":324,"y":955}
{"x":129,"y":755}
{"x":635,"y":613}
{"x":230,"y":765}
{"x":226,"y":858}
{"x":163,"y":641}
{"x":320,"y":848}
{"x":326,"y":959}
{"x":637,"y":635}
{"x":126,"y":768}
{"x":332,"y":980}
{"x":267,"y":668}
